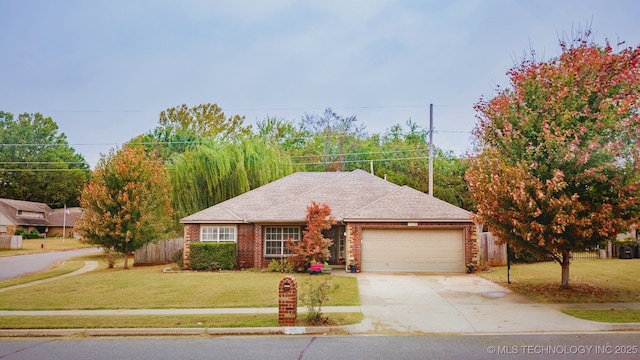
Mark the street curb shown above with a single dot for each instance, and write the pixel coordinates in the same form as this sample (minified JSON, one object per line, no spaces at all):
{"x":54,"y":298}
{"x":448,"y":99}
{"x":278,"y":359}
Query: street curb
{"x":296,"y":330}
{"x":311,"y":330}
{"x":625,"y":326}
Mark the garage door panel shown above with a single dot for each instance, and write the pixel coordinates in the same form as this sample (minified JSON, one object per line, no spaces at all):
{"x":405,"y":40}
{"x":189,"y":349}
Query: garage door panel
{"x":414,"y":250}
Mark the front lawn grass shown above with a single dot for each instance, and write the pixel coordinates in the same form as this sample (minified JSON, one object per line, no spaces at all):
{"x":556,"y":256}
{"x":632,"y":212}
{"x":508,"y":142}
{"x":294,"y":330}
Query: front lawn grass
{"x":609,"y":316}
{"x":151,"y":288}
{"x":34,"y":246}
{"x":163,"y":321}
{"x":60,"y":268}
{"x":591,"y":281}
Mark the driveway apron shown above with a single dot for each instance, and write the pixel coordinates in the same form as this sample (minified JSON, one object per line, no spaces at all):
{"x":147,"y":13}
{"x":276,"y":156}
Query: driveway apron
{"x":415,"y":303}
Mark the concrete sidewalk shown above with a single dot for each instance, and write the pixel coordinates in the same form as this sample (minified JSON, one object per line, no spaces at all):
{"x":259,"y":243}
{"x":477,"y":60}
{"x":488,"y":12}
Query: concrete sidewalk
{"x":211,"y":311}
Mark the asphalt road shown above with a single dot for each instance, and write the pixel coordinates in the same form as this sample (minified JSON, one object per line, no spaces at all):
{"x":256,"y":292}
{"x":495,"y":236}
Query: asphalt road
{"x":551,"y":346}
{"x":19,"y":265}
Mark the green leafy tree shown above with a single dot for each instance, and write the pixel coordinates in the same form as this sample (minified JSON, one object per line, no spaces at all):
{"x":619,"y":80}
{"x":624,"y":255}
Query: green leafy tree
{"x":449,"y":183}
{"x":125,"y":204}
{"x":164,"y":142}
{"x":205,"y":120}
{"x":213,"y":172}
{"x":330,"y":137}
{"x":332,"y":142}
{"x":183,"y":127}
{"x":36,"y":162}
{"x":403,"y":157}
{"x":557,"y":165}
{"x":281,"y":132}
{"x":313,"y":246}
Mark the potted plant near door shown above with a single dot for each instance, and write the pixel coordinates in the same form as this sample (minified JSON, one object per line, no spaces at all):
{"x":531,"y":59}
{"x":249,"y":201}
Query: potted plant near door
{"x":326,"y":269}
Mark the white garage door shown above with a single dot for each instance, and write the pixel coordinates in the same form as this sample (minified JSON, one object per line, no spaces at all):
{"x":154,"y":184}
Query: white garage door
{"x":414,"y":250}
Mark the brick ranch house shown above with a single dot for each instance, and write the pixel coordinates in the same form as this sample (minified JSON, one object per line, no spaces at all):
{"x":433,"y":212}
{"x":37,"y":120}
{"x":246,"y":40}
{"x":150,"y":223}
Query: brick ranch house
{"x":29,"y":215}
{"x":380,"y":226}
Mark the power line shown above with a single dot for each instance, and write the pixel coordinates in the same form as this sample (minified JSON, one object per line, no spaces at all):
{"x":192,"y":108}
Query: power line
{"x":234,"y":109}
{"x":40,"y":170}
{"x":41,"y":162}
{"x":362,"y":160}
{"x":425,"y":132}
{"x":358,"y":154}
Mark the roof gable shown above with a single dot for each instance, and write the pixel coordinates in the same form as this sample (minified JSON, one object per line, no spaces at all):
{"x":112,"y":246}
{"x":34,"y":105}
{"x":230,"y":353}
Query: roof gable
{"x":408,"y":204}
{"x":21,"y":212}
{"x":352,"y":196}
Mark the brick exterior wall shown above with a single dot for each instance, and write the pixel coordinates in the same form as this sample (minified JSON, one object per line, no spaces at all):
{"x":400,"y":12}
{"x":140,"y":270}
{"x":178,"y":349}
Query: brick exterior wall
{"x":353,"y":244}
{"x":354,"y":238}
{"x":191,"y":234}
{"x":246,"y":246}
{"x":250,"y":241}
{"x":258,"y":257}
{"x":471,"y":245}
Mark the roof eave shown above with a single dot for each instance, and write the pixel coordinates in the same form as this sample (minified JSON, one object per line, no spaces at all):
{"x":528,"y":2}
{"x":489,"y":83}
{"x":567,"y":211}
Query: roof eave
{"x":468,"y":220}
{"x":203,"y":221}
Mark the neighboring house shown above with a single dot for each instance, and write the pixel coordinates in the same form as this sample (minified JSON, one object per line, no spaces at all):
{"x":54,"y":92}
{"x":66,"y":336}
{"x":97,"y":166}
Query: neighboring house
{"x":380,"y":226}
{"x":18,"y":214}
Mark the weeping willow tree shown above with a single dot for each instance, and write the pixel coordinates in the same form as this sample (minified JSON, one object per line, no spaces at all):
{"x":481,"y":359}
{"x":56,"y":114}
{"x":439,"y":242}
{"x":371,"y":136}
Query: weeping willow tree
{"x":213,"y":172}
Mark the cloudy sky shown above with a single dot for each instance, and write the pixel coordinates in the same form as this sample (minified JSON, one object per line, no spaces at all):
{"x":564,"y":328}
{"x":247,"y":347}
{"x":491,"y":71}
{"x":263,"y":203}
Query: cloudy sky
{"x":103,"y":70}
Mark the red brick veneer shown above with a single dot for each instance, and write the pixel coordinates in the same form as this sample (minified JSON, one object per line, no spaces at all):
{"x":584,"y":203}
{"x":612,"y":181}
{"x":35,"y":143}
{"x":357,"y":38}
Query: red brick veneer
{"x":250,"y":242}
{"x":191,"y":234}
{"x":288,"y":301}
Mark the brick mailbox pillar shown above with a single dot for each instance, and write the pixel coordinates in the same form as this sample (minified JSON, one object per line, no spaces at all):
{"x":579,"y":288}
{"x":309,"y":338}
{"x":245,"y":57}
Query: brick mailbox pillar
{"x":287,"y":301}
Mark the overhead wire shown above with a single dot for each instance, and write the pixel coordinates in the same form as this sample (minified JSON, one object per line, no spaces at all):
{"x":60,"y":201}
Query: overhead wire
{"x":423,"y":132}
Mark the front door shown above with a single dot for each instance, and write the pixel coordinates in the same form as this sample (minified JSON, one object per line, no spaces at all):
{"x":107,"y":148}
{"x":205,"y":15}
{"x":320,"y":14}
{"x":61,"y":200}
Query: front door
{"x":336,"y":233}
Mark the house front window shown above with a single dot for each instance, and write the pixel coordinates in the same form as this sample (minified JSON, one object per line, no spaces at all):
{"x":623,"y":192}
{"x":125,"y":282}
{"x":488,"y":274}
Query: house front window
{"x":218,"y":233}
{"x":275,"y":239}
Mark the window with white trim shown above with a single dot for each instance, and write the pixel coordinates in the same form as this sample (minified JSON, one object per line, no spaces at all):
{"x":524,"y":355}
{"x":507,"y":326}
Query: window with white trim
{"x":275,"y":239}
{"x":218,"y":233}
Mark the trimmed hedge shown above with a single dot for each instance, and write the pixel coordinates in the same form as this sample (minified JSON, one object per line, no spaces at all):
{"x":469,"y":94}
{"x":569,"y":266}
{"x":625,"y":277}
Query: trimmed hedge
{"x":212,"y":256}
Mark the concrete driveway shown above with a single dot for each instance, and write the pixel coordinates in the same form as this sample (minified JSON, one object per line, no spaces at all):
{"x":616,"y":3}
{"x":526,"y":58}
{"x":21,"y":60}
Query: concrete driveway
{"x":414,"y":303}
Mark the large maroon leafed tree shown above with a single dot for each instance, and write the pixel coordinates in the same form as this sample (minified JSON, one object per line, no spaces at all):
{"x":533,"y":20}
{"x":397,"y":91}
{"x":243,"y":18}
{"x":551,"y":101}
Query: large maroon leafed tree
{"x":556,"y":166}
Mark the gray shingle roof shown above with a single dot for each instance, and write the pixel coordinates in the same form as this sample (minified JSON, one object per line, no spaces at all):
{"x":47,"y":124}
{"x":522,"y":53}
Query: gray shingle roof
{"x":11,"y":208}
{"x":51,"y":217}
{"x":57,"y":217}
{"x":352,"y":196}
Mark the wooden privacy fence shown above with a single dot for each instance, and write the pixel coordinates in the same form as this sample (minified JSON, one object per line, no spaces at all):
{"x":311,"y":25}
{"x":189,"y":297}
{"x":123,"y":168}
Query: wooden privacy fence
{"x":10,"y":242}
{"x":494,"y":254}
{"x":158,"y":253}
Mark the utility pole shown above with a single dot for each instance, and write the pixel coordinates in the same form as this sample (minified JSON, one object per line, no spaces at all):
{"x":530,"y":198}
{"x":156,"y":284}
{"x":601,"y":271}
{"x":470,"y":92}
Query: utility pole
{"x":430,"y":149}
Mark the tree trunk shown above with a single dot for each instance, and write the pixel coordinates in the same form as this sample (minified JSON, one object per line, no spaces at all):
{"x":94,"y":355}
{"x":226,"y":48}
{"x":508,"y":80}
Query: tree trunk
{"x":565,"y":270}
{"x":126,"y":255}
